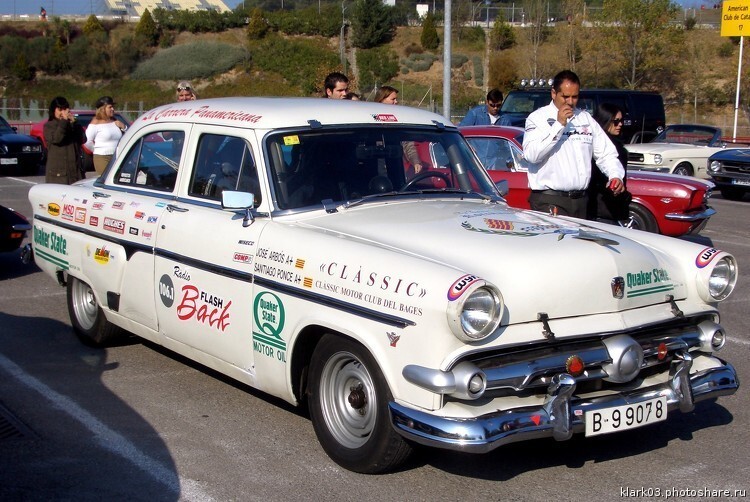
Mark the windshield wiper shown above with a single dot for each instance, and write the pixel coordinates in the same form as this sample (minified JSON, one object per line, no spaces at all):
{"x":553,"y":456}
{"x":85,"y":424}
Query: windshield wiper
{"x":366,"y":198}
{"x":453,"y":190}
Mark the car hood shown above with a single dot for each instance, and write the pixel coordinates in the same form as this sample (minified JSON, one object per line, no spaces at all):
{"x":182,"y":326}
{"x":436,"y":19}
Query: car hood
{"x":539,"y":263}
{"x":674,"y":180}
{"x":735,"y":154}
{"x":18,"y":139}
{"x":668,"y":148}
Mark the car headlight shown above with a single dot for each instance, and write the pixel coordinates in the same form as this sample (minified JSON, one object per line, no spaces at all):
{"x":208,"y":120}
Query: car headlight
{"x":3,"y":149}
{"x":714,"y":166}
{"x":31,"y":148}
{"x":657,"y":159}
{"x":723,"y":279}
{"x":718,"y":275}
{"x":475,"y":309}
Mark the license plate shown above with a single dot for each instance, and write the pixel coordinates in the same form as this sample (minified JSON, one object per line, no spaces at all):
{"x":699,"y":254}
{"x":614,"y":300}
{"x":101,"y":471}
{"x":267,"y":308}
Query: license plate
{"x":741,"y":182}
{"x":628,"y":416}
{"x":9,"y":161}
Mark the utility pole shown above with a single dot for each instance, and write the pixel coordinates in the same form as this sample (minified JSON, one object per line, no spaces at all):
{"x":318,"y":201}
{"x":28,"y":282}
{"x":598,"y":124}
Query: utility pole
{"x":447,"y":60}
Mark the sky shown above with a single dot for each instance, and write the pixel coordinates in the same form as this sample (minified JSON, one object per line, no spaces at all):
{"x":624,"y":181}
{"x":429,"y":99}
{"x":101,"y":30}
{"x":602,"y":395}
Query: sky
{"x":63,"y":7}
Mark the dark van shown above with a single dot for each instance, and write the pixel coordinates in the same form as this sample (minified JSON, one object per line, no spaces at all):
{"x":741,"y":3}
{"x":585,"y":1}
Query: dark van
{"x":643,"y":111}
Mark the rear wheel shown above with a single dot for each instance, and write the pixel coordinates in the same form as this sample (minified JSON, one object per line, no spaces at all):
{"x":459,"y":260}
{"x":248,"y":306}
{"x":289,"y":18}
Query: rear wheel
{"x":732,"y":193}
{"x":640,"y":218}
{"x":348,"y":401}
{"x":683,"y":169}
{"x":87,"y":316}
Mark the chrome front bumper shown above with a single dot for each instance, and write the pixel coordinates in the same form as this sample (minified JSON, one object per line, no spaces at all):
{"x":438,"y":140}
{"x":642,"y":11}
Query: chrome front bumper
{"x":561,"y":415}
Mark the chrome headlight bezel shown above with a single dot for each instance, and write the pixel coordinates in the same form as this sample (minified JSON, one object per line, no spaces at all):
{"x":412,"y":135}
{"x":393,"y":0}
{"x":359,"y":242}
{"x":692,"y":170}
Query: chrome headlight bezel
{"x":714,"y":166}
{"x":477,"y":311}
{"x":658,"y":159}
{"x":717,"y":279}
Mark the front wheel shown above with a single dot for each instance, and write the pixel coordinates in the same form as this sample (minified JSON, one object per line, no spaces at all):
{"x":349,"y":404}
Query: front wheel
{"x":640,"y":218}
{"x":87,"y":316}
{"x":348,"y":401}
{"x":683,"y":169}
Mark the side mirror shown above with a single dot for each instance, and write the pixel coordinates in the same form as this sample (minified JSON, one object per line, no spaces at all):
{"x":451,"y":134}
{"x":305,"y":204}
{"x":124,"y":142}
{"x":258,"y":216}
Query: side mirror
{"x":231,"y":199}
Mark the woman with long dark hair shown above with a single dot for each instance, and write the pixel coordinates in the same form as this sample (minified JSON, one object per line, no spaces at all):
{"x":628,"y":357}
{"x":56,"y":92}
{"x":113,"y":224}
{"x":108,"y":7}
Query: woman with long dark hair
{"x":64,"y":138}
{"x":603,"y":203}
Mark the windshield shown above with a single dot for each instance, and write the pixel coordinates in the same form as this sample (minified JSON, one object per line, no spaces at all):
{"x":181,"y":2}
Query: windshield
{"x":687,"y":135}
{"x":338,"y":166}
{"x":525,"y":101}
{"x":5,"y":127}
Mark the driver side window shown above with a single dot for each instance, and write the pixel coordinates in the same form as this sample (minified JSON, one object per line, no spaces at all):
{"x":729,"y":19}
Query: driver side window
{"x":152,"y":162}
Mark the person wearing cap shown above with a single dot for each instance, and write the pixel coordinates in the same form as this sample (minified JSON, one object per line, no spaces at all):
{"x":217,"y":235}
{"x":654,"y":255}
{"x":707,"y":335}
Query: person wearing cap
{"x":185,"y":92}
{"x":103,"y":133}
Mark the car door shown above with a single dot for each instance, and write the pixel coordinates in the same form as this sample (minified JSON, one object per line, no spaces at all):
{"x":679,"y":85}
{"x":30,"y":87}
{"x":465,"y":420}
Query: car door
{"x":504,"y":161}
{"x":204,"y":255}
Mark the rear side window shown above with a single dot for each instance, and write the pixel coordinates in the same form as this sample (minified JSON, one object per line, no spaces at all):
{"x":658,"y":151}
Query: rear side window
{"x":152,"y":162}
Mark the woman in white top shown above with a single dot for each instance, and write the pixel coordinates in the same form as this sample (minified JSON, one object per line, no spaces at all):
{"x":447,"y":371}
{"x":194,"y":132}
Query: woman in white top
{"x":103,"y":133}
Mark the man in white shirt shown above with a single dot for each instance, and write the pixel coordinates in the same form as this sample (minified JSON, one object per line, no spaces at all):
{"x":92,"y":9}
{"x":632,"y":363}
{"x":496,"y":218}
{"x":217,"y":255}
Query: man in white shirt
{"x":559,"y":143}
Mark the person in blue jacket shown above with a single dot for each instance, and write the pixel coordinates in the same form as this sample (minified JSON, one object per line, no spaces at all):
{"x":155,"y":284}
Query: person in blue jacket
{"x":487,"y":114}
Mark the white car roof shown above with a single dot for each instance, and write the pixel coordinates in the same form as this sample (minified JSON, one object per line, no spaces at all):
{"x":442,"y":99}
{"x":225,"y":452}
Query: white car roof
{"x":273,"y":113}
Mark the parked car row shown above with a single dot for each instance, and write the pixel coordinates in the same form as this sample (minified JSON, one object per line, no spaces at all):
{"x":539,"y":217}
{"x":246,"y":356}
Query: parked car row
{"x":661,"y":203}
{"x":19,"y":153}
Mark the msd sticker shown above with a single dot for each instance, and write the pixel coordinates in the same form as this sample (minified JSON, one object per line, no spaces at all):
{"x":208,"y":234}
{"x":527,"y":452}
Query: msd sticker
{"x":385,"y":117}
{"x":705,"y":257}
{"x":458,"y":287}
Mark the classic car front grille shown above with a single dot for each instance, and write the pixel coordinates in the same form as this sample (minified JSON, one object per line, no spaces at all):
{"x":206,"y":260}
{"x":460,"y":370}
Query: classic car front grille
{"x":529,"y":370}
{"x":635,"y":157}
{"x":732,"y":167}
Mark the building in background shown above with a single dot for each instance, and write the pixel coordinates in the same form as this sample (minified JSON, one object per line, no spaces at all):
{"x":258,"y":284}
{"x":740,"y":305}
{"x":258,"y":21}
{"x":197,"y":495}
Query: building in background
{"x":138,"y":7}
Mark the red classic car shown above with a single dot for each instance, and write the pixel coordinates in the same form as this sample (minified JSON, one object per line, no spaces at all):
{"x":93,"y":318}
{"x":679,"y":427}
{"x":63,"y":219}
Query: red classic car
{"x":662,"y":203}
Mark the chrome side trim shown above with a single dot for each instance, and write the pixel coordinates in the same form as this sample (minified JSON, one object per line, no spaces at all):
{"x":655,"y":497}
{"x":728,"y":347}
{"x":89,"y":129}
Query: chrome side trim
{"x":560,"y":416}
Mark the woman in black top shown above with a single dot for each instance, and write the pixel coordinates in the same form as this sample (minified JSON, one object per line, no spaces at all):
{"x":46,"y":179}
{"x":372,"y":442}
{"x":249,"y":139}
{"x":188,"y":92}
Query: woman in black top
{"x":602,"y":202}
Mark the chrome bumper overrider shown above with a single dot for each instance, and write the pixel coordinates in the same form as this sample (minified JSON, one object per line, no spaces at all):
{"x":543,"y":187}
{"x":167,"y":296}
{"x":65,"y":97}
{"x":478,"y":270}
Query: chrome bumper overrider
{"x":707,"y":213}
{"x":561,"y":415}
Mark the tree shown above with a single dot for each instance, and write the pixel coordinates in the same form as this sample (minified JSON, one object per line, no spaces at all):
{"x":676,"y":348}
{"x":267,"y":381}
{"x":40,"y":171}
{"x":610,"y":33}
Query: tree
{"x":372,"y":24}
{"x":649,"y":48}
{"x":429,"y":38}
{"x":147,"y":30}
{"x":502,"y":35}
{"x":257,"y":27}
{"x":92,"y":25}
{"x":536,"y":30}
{"x":376,"y":66}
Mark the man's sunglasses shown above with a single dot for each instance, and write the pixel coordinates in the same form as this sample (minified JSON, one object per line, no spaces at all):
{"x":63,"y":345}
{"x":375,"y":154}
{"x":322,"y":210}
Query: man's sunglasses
{"x":184,"y":89}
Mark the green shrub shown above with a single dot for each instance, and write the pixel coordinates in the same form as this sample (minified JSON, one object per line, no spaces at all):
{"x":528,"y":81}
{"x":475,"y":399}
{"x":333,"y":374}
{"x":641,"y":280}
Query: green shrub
{"x":413,"y":48}
{"x":372,"y":24}
{"x":257,"y":27}
{"x":429,"y":38}
{"x":478,"y":64}
{"x":300,"y":62}
{"x":307,"y":21}
{"x":376,"y":66}
{"x":690,"y":23}
{"x":726,"y":49}
{"x":147,"y":29}
{"x":420,"y":62}
{"x":458,"y":60}
{"x":190,"y":61}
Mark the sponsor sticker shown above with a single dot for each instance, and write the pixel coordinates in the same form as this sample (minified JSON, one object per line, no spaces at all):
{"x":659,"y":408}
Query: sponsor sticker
{"x":269,"y":316}
{"x":93,"y":221}
{"x":242,"y":258}
{"x":459,"y":287}
{"x":166,"y":290}
{"x":53,"y":209}
{"x":385,"y":117}
{"x":68,"y":211}
{"x":80,"y":215}
{"x":101,"y":255}
{"x":705,"y":257}
{"x":113,"y":225}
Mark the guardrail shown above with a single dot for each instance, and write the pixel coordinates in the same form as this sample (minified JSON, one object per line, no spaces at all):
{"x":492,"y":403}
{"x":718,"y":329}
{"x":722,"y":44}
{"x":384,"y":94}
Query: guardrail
{"x":22,"y":127}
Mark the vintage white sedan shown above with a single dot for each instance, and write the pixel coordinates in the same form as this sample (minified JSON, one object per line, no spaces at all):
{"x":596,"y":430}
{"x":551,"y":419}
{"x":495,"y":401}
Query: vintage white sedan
{"x":290,"y":244}
{"x":679,"y":149}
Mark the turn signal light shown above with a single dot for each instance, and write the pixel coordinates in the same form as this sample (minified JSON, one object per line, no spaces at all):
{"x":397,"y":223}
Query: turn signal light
{"x":661,"y":351}
{"x":575,"y":366}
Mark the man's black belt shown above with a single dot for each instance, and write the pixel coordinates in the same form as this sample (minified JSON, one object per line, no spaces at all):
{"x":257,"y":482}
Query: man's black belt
{"x":571,"y":194}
